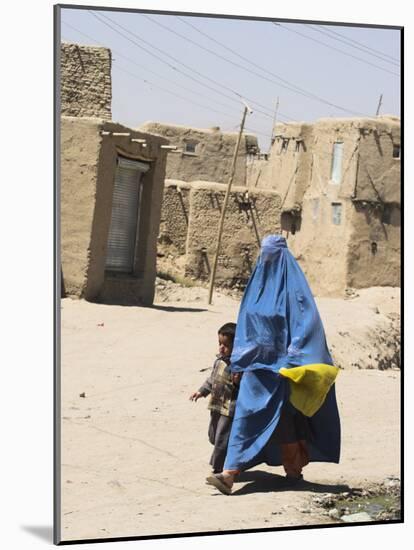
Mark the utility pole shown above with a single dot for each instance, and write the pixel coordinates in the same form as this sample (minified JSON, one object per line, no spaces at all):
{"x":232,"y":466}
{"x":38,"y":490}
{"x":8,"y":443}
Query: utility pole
{"x":274,"y":119}
{"x":226,"y":199}
{"x":379,"y":105}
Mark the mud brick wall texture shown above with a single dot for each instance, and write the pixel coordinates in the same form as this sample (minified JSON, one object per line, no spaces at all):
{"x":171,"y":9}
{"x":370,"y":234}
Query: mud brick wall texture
{"x":249,"y":217}
{"x":85,"y":73}
{"x":174,"y":216}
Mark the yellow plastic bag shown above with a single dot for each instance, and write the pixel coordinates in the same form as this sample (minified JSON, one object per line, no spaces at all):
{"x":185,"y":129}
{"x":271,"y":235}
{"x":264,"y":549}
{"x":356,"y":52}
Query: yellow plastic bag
{"x":309,"y":385}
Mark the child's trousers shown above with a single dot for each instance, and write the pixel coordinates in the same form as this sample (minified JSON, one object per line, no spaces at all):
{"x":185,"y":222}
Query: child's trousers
{"x":218,"y":435}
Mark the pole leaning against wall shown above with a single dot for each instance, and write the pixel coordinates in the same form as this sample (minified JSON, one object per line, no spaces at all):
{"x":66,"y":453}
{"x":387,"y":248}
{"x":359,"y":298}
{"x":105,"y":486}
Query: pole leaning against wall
{"x":226,"y":199}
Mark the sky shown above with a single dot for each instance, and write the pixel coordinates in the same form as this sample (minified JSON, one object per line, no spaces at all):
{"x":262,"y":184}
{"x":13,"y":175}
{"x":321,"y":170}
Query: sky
{"x":200,"y":71}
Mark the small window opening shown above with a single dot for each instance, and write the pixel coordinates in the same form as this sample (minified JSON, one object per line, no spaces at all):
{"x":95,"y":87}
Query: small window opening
{"x":386,"y":214}
{"x":285,"y":144}
{"x":336,"y":213}
{"x":336,"y":168}
{"x":299,"y":145}
{"x":315,"y":209}
{"x":396,"y":151}
{"x":190,"y":147}
{"x":290,"y":222}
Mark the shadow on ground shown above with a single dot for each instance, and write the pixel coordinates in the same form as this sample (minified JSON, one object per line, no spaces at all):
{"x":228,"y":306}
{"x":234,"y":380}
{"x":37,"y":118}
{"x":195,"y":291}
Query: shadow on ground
{"x":175,"y":308}
{"x":44,"y":532}
{"x":265,"y":482}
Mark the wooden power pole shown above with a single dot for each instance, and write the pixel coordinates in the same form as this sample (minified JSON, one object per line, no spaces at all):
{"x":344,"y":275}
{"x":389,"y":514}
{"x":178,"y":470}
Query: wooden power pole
{"x":274,"y":120}
{"x":223,"y":209}
{"x":379,"y":105}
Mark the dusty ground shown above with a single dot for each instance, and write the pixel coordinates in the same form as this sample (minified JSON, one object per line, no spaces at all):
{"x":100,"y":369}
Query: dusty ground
{"x":135,"y":450}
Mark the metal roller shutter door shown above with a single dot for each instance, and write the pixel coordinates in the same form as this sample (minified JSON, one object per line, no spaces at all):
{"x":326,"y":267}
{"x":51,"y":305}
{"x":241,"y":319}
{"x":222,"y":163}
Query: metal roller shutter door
{"x":125,"y":212}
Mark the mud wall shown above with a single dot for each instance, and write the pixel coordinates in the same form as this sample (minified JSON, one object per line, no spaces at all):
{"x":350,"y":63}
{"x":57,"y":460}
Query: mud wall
{"x":343,"y":226}
{"x":324,"y":226}
{"x":289,"y":165}
{"x":88,"y":165}
{"x":174,"y":216}
{"x":85,"y":81}
{"x":379,"y":172}
{"x":203,"y":154}
{"x":80,"y":149}
{"x":250,"y":215}
{"x":255,"y":167}
{"x":374,"y":250}
{"x":374,"y":256}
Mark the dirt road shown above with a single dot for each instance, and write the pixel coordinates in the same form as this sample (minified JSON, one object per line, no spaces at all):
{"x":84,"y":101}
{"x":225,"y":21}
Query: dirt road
{"x":135,"y":450}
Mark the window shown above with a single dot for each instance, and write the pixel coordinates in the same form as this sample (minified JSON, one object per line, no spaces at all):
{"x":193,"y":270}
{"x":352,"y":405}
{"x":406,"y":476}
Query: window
{"x":386,"y":214}
{"x":336,"y":213}
{"x":391,"y":215}
{"x":336,"y":168}
{"x":315,"y":209}
{"x":291,"y":222}
{"x":285,"y":145}
{"x":299,"y":145}
{"x":395,"y":151}
{"x":190,"y":147}
{"x":123,"y":231}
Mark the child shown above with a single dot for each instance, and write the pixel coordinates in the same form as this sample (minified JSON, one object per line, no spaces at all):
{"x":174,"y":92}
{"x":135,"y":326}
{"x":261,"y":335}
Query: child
{"x":223,"y":387}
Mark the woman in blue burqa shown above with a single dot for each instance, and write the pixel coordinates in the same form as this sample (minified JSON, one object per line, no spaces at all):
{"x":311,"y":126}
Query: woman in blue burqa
{"x":286,"y":412}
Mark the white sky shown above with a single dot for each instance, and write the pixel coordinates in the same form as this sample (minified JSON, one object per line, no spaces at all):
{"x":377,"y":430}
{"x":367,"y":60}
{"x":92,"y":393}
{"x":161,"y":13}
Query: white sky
{"x":165,"y":69}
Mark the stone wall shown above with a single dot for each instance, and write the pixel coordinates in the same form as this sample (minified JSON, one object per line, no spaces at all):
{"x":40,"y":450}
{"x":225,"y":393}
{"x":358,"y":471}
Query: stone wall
{"x":204,"y":154}
{"x":250,"y":215}
{"x":85,"y":81}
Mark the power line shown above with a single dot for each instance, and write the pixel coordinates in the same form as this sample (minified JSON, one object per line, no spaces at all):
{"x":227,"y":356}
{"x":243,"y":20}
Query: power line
{"x":118,"y":54}
{"x":152,"y":84}
{"x":221,"y":85}
{"x":326,"y":32}
{"x":331,"y":31}
{"x":232,"y":116}
{"x":300,"y":90}
{"x":173,"y":93}
{"x":335,"y":49}
{"x":221,"y":56}
{"x":156,"y":56}
{"x":292,"y":87}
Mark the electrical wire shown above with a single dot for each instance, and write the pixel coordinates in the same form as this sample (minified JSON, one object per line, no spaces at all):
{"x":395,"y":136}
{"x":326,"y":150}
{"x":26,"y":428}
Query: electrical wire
{"x":118,"y":54}
{"x":335,"y":49}
{"x":292,"y":87}
{"x":325,"y":33}
{"x":353,"y":41}
{"x":221,"y":85}
{"x":173,"y":93}
{"x":152,"y":84}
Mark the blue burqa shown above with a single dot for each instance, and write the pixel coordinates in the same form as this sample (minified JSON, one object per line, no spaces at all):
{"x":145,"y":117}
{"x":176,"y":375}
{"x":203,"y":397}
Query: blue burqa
{"x":278,"y":327}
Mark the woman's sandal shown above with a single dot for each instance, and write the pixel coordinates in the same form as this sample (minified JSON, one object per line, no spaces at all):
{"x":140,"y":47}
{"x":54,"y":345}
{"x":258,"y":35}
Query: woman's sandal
{"x":217,"y":480}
